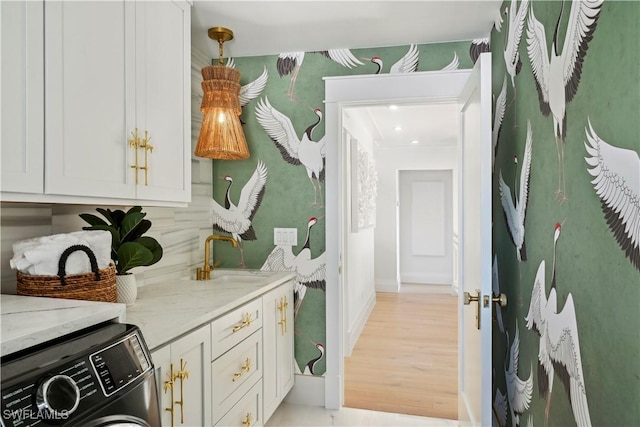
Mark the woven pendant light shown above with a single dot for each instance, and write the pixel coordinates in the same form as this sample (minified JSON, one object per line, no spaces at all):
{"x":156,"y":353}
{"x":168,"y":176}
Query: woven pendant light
{"x":221,"y":135}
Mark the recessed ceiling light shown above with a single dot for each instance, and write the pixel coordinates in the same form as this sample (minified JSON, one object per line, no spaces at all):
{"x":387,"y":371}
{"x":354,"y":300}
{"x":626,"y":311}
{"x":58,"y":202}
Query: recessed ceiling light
{"x":393,"y":107}
{"x":397,"y":128}
{"x":415,"y":141}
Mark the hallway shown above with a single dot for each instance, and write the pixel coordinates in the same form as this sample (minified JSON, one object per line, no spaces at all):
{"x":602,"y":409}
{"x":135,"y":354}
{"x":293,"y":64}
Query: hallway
{"x":406,"y":359}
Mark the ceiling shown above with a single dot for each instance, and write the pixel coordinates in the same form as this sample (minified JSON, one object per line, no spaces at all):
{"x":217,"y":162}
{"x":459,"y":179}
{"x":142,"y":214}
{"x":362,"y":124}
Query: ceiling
{"x":427,"y":125}
{"x":273,"y":27}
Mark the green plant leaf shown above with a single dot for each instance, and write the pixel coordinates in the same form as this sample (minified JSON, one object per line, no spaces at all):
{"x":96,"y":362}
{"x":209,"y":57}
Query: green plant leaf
{"x":129,"y":248}
{"x":153,"y":245}
{"x":132,"y":254}
{"x":117,"y":217}
{"x":135,"y":209}
{"x":92,"y":220}
{"x":107,"y":214}
{"x":142,"y":228}
{"x":129,"y":224}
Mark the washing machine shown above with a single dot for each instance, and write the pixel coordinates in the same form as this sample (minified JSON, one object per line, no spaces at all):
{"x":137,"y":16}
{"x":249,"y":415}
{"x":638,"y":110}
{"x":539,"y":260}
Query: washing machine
{"x":98,"y":377}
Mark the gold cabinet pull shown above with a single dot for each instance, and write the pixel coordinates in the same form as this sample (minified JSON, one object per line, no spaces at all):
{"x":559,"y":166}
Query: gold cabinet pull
{"x":182,"y":375}
{"x":147,"y":148}
{"x":134,"y":142}
{"x":246,"y":321}
{"x":168,"y":385}
{"x":282,"y":322}
{"x":282,"y":308}
{"x":245,"y":368}
{"x":286,"y":304}
{"x":247,"y":420}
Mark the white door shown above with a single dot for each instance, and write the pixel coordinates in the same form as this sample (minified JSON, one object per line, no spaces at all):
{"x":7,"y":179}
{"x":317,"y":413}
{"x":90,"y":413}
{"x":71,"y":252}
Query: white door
{"x":475,"y":247}
{"x":425,"y":226}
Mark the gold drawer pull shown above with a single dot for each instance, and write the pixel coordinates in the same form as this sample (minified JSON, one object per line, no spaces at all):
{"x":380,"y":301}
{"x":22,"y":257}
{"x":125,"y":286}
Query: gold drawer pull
{"x":168,"y":385}
{"x":245,"y":368}
{"x":247,"y":420}
{"x":246,"y":321}
{"x":182,"y":375}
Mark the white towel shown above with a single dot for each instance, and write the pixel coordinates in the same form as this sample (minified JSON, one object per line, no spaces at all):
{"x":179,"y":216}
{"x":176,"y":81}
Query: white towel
{"x":40,"y":256}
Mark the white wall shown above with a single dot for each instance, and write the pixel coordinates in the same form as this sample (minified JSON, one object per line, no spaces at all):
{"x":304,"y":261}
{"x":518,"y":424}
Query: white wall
{"x":426,"y":232}
{"x":359,"y":253}
{"x":390,"y":161}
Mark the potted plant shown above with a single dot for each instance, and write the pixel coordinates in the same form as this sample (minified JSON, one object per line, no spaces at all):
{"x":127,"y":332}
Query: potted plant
{"x":129,"y":248}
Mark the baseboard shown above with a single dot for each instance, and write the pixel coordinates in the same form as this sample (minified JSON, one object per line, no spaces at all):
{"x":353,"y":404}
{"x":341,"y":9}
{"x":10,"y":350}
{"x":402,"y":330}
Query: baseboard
{"x":307,"y":390}
{"x":356,"y":329}
{"x":391,"y":286}
{"x":430,"y":278}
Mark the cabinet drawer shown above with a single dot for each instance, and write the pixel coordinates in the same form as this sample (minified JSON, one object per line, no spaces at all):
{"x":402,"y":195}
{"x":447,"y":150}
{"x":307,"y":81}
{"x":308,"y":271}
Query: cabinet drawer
{"x":248,"y":411}
{"x":235,"y":372}
{"x":230,"y":329}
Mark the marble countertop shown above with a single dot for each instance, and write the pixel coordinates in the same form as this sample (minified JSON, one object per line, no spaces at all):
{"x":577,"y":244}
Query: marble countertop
{"x":28,"y":321}
{"x":167,"y":310}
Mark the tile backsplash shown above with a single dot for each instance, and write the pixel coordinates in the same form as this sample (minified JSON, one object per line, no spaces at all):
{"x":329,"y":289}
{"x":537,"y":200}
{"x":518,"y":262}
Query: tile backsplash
{"x":180,"y":231}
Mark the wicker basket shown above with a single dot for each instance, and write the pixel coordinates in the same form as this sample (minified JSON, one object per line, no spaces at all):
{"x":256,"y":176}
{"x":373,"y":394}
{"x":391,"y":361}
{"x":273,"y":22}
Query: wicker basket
{"x":99,"y":285}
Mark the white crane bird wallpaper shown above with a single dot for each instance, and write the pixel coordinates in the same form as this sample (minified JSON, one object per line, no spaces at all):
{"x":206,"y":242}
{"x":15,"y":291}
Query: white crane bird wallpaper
{"x":578,"y":289}
{"x":590,"y":187}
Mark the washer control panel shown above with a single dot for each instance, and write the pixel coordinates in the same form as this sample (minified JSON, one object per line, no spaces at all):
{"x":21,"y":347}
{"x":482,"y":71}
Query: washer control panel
{"x":119,"y":364}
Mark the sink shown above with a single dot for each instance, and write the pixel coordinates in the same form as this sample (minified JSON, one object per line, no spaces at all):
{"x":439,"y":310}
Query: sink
{"x":238,"y":276}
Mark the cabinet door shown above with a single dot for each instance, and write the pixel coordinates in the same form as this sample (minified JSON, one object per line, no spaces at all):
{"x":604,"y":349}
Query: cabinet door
{"x":89,"y":97}
{"x":22,"y":87}
{"x":192,"y":354}
{"x":163,"y":93}
{"x":278,"y":372}
{"x":163,"y":369}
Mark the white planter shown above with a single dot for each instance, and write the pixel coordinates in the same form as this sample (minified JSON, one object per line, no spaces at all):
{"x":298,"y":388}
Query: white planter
{"x":127,"y":289}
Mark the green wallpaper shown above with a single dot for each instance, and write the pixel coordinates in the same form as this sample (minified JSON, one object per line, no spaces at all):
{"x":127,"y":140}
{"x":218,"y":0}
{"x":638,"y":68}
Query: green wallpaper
{"x":591,"y":266}
{"x":289,"y":194}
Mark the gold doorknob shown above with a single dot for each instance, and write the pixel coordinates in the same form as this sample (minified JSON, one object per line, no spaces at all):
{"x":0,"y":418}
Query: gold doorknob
{"x":500,"y":299}
{"x":468,"y":298}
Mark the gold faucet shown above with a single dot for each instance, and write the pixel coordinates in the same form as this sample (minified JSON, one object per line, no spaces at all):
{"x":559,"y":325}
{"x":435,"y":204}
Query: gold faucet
{"x":204,"y":273}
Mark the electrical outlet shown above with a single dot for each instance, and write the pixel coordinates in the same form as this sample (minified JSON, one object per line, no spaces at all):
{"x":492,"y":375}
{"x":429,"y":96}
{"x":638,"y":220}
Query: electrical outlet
{"x":285,"y":236}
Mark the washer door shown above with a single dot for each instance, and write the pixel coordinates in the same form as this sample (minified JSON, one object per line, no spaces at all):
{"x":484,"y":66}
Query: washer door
{"x":117,"y":421}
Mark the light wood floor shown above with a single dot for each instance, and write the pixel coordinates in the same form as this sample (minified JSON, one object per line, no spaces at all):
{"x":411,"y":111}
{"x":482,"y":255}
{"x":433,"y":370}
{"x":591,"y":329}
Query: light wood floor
{"x":406,"y":359}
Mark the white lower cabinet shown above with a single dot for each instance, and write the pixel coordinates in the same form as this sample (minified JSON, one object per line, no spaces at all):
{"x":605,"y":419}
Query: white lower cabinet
{"x":247,"y":412}
{"x":183,"y":373}
{"x":278,"y":351}
{"x":234,"y":371}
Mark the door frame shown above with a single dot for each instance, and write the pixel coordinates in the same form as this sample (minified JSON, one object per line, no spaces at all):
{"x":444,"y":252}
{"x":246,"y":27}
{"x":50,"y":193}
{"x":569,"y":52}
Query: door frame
{"x":348,"y":91}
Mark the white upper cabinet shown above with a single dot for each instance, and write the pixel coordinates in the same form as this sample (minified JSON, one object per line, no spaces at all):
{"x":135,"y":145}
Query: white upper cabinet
{"x":111,"y":69}
{"x":89,"y":98}
{"x":163,"y":94}
{"x":22,"y":101}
